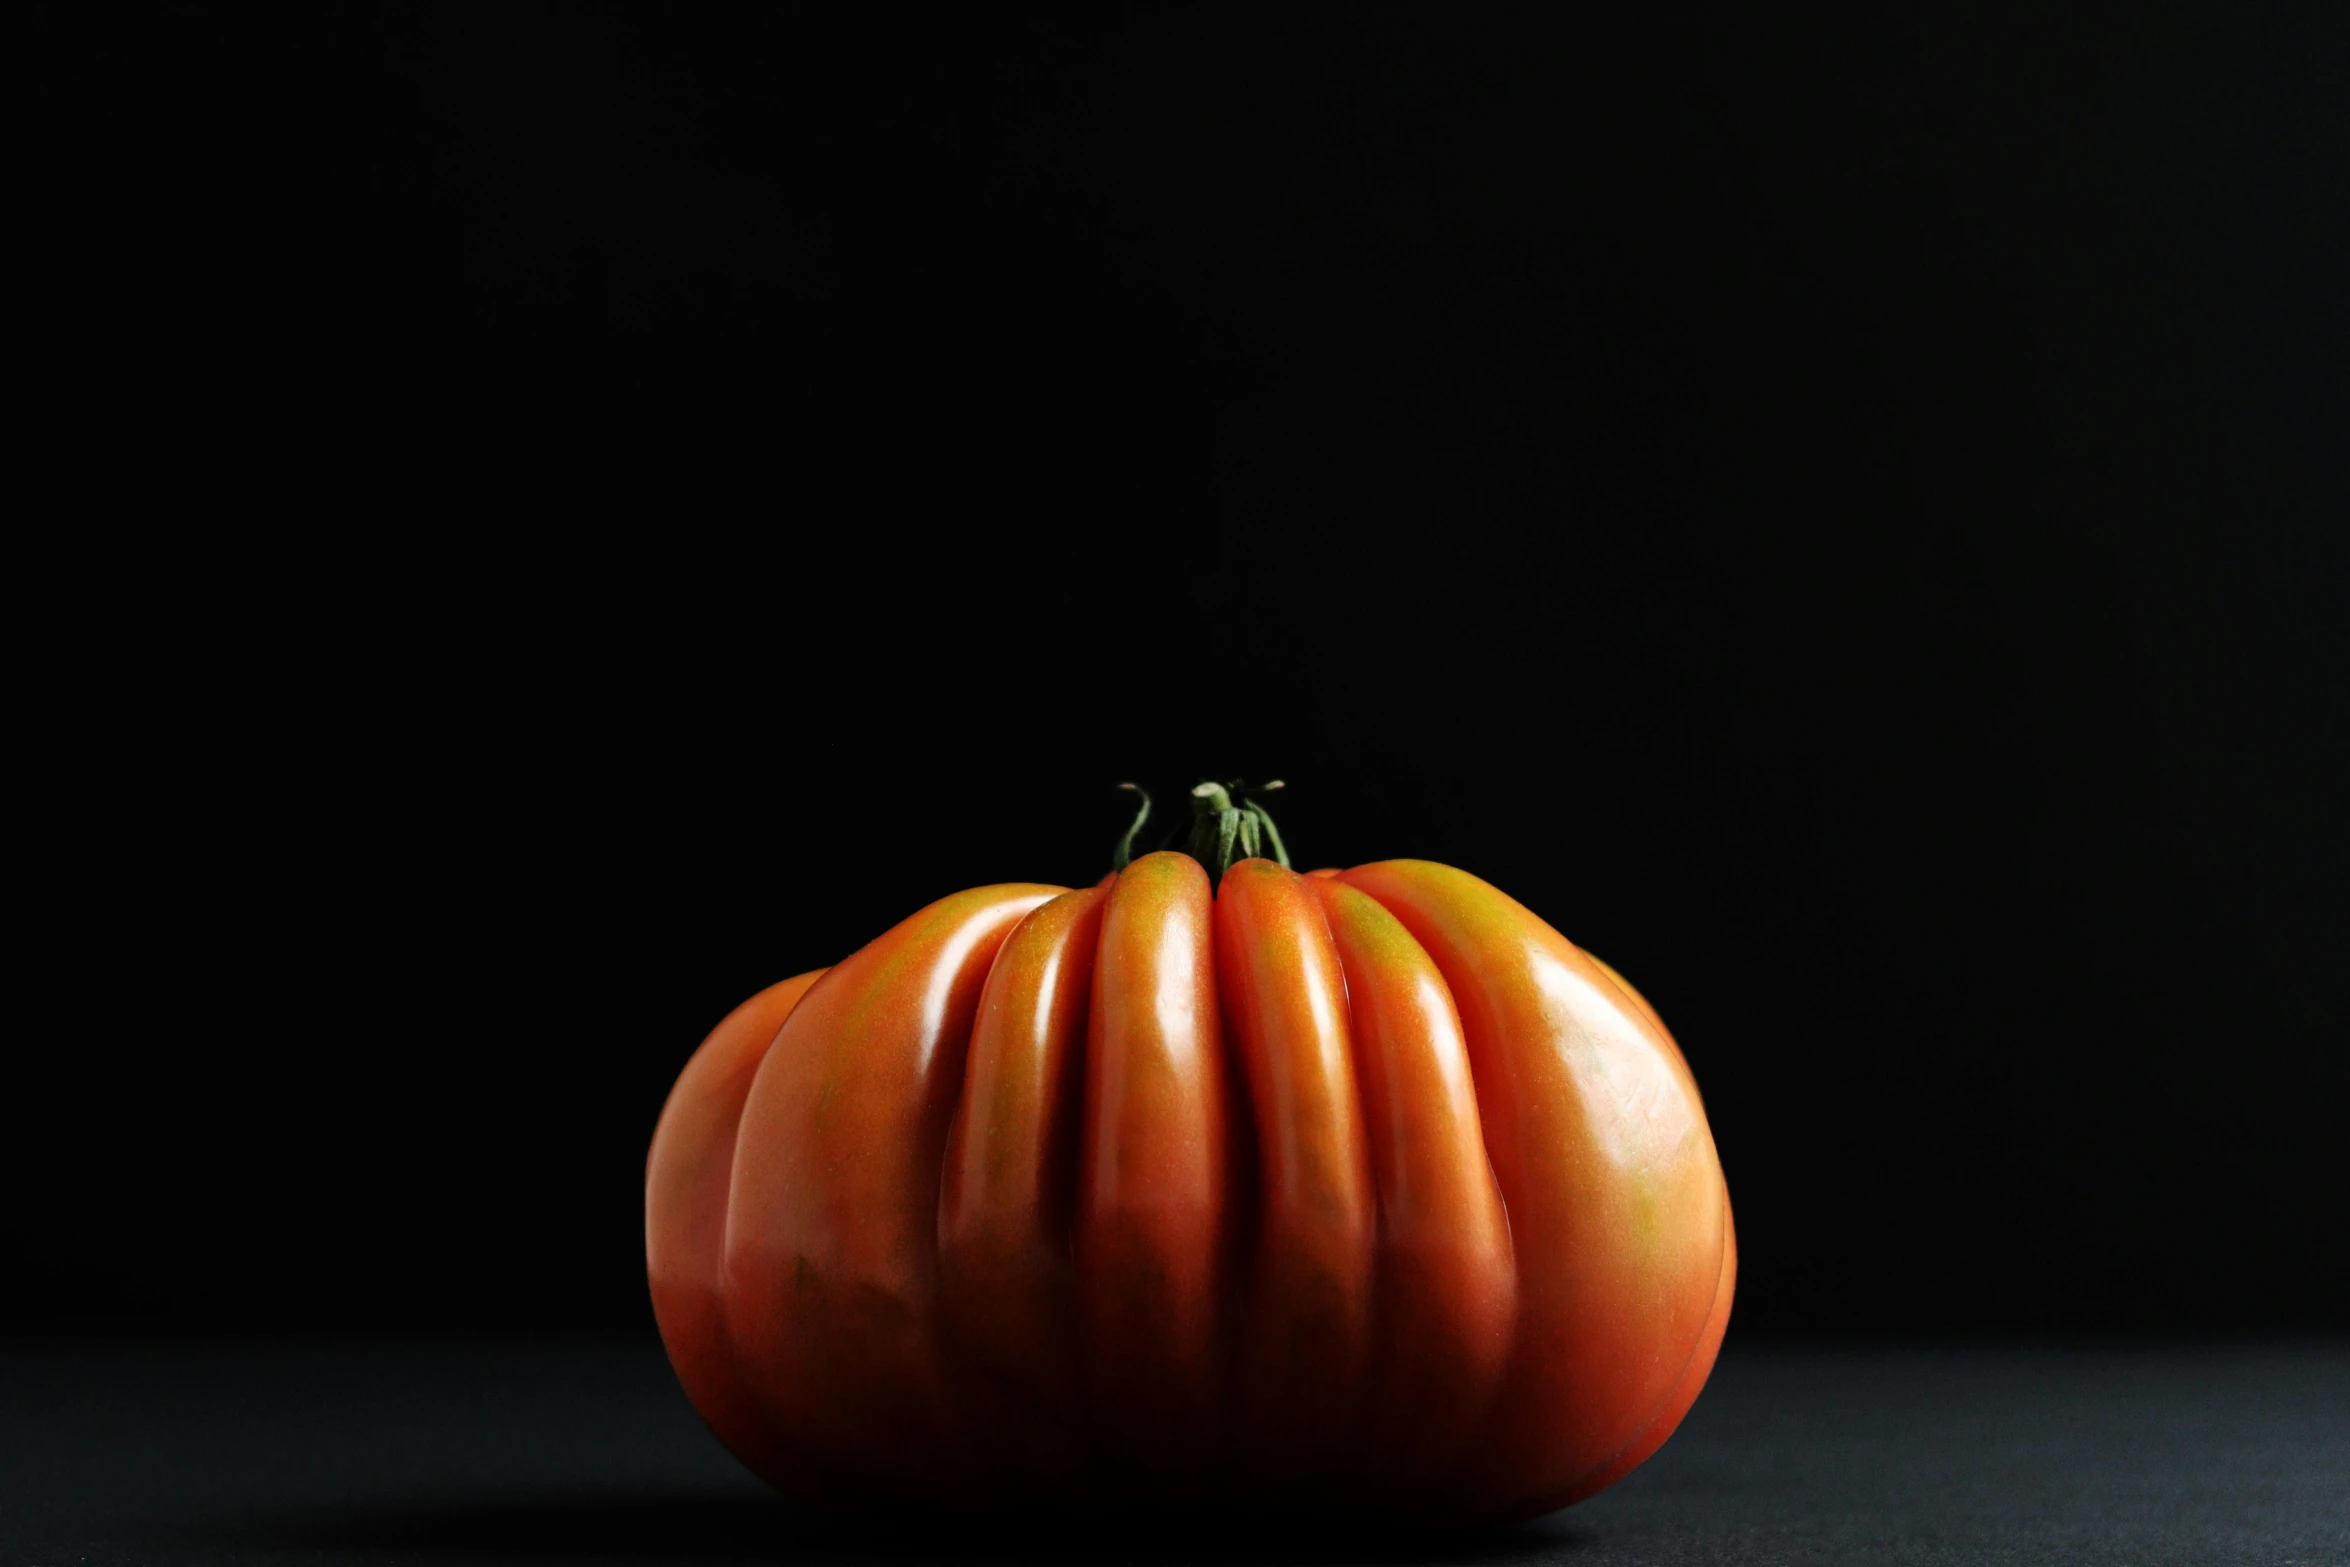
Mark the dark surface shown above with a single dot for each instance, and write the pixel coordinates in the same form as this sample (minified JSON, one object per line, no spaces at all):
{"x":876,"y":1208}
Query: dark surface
{"x":489,"y":1451}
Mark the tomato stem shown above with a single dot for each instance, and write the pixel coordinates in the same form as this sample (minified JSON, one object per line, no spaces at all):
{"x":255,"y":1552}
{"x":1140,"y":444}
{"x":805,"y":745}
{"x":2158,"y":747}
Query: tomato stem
{"x":1125,"y":850}
{"x":1227,"y":825}
{"x":1223,"y":831}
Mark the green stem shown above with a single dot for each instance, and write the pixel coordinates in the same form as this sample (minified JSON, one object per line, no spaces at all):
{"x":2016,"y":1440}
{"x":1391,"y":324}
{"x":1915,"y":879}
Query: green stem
{"x":1272,"y":833}
{"x":1125,"y":850}
{"x":1228,"y":825}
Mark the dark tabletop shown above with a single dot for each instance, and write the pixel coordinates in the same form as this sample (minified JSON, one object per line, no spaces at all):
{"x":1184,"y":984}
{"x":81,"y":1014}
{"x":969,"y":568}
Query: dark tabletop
{"x":551,"y":1450}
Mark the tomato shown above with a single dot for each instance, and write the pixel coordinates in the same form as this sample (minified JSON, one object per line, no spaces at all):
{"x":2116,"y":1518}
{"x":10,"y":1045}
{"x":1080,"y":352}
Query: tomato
{"x":1353,"y":1189}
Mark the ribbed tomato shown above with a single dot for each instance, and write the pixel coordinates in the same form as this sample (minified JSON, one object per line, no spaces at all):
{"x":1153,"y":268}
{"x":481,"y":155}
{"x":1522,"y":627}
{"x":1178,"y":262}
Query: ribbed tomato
{"x":1356,"y":1189}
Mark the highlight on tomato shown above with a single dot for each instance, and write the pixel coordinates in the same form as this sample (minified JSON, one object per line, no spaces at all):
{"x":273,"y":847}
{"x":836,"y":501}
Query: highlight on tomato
{"x":1213,"y":1183}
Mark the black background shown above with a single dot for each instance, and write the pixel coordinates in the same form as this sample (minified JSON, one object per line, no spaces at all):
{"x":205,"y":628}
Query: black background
{"x":553,"y":517}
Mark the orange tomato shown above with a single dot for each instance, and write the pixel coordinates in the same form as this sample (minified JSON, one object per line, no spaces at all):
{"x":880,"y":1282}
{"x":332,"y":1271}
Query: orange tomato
{"x":1359,"y":1189}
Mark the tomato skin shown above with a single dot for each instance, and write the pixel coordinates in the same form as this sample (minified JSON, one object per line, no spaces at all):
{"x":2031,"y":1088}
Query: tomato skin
{"x":1616,"y":1201}
{"x":1154,"y":1212}
{"x":1361,"y":1189}
{"x":1004,"y":1214}
{"x":1304,"y":1354}
{"x":687,"y":1175}
{"x":831,"y":1263}
{"x":1701,"y":1364}
{"x":1447,"y":1281}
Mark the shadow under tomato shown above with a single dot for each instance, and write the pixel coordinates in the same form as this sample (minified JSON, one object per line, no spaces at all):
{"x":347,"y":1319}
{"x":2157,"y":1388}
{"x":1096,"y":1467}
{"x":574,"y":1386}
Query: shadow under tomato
{"x":733,"y":1528}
